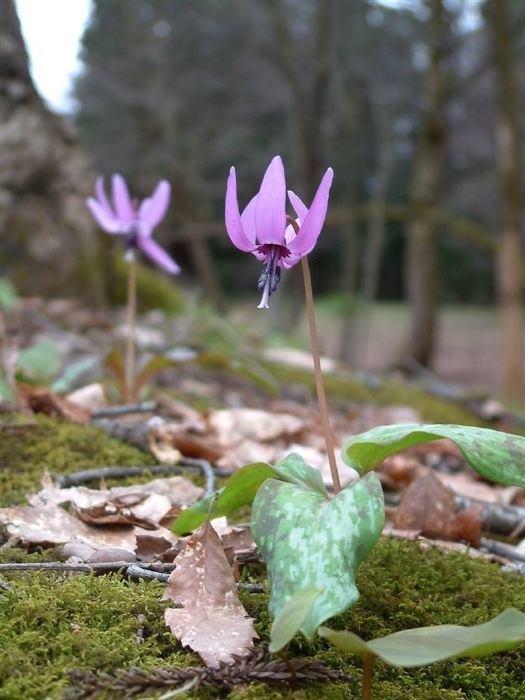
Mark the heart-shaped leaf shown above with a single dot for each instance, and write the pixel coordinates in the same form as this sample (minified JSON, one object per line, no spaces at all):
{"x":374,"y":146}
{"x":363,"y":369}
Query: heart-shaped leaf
{"x":308,"y":540}
{"x":495,"y":455}
{"x":426,"y":645}
{"x":241,"y":487}
{"x":288,"y":622}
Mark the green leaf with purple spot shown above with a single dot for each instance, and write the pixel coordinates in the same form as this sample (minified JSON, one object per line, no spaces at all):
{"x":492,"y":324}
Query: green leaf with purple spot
{"x":310,"y":541}
{"x":495,"y":455}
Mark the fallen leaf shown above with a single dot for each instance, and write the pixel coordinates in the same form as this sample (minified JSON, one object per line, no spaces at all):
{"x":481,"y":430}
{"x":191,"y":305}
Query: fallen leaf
{"x":212,"y":620}
{"x":399,"y":470}
{"x":428,"y":506}
{"x":169,"y":441}
{"x":234,"y":425}
{"x":51,"y":525}
{"x":467,"y":484}
{"x":152,"y":547}
{"x":90,"y":397}
{"x":43,"y":400}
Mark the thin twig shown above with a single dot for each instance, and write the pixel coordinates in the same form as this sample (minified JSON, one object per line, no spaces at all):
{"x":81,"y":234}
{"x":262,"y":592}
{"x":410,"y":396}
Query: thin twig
{"x":125,"y":409}
{"x":160,"y":567}
{"x":131,"y":314}
{"x":321,"y":396}
{"x":81,"y":477}
{"x":136,"y":571}
{"x":502,"y":550}
{"x":155,"y":571}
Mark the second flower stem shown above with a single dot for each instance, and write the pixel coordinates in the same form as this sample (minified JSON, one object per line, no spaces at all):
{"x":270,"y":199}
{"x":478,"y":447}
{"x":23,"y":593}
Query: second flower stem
{"x":131,"y":320}
{"x":321,"y":396}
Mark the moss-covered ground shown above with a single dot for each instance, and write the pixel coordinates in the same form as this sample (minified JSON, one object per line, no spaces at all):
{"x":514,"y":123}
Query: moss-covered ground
{"x":51,"y":624}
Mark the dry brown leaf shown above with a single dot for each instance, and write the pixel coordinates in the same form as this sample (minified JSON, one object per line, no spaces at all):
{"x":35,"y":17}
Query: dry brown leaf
{"x":145,"y":505}
{"x":468,"y":524}
{"x":153,"y":547}
{"x":467,"y":484}
{"x":237,"y":424}
{"x":50,"y":525}
{"x":43,"y":400}
{"x":428,"y":506}
{"x":90,"y":397}
{"x":169,"y":440}
{"x":399,"y":470}
{"x":212,"y":620}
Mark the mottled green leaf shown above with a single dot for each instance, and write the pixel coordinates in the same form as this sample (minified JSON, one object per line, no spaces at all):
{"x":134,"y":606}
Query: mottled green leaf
{"x":288,"y":622}
{"x":308,"y":540}
{"x":495,"y":455}
{"x":295,"y":470}
{"x":7,"y":294}
{"x":241,"y":487}
{"x":426,"y":645}
{"x":40,"y":361}
{"x":240,"y":490}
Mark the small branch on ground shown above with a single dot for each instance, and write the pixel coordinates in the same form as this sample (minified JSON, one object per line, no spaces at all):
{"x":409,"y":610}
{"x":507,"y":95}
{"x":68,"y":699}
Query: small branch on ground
{"x":502,"y":550}
{"x":186,"y":464}
{"x":149,"y":571}
{"x":125,"y":410}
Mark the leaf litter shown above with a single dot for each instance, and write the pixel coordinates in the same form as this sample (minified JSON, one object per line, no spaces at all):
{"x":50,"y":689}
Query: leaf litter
{"x":212,"y":620}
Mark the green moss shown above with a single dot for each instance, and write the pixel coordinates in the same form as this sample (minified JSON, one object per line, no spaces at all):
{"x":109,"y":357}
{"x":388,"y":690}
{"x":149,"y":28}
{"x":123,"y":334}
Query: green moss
{"x":404,"y":586}
{"x":61,"y":448}
{"x":50,"y":624}
{"x":155,"y":290}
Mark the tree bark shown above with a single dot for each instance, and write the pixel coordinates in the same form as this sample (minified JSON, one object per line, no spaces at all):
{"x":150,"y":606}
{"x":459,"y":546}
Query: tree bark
{"x":509,"y":269}
{"x":422,"y":256}
{"x":44,"y":179}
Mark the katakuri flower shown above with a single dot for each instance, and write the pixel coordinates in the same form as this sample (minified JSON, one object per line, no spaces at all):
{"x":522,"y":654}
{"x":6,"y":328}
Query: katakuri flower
{"x":134,"y":221}
{"x":265,"y":230}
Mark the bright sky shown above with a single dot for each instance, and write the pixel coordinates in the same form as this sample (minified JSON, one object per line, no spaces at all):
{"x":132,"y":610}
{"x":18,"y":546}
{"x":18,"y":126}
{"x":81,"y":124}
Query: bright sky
{"x":52,"y":31}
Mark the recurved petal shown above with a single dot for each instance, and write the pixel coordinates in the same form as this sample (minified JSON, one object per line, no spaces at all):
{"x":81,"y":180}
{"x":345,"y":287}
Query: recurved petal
{"x":313,"y":222}
{"x":101,"y":196}
{"x":157,"y":254}
{"x":297,"y":203}
{"x":232,"y":216}
{"x":248,"y":221}
{"x":122,"y":200}
{"x":153,"y":209}
{"x":270,"y":209}
{"x":106,"y":220}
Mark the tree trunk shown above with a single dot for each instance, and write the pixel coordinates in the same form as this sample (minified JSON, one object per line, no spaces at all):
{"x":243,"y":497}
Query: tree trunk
{"x":422,"y":262}
{"x":44,"y":179}
{"x":509,"y":270}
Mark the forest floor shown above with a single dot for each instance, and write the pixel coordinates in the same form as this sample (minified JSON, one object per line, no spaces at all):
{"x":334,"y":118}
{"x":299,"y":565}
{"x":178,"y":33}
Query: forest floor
{"x":53,"y":624}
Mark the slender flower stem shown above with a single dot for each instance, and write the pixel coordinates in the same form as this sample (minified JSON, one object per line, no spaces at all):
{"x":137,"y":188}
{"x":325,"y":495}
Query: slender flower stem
{"x":130,"y":345}
{"x":321,"y":396}
{"x":368,"y":672}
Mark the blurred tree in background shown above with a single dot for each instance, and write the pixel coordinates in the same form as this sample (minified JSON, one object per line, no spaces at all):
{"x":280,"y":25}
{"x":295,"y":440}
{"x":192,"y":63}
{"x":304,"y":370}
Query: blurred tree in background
{"x":43,"y":173}
{"x":414,"y":103}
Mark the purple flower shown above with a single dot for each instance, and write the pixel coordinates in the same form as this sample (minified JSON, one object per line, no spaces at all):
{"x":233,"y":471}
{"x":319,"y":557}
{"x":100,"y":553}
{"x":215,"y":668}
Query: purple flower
{"x":134,"y":221}
{"x":265,"y":230}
